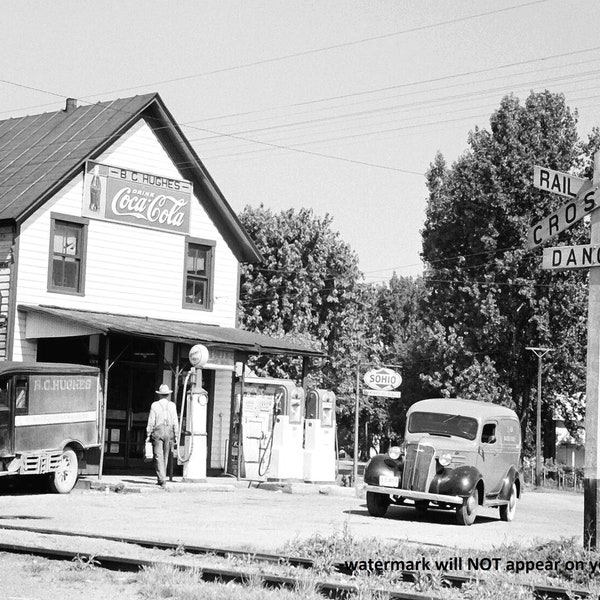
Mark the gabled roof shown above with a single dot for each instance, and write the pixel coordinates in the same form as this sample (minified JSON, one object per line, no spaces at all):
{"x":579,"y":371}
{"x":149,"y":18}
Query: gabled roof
{"x":39,"y":154}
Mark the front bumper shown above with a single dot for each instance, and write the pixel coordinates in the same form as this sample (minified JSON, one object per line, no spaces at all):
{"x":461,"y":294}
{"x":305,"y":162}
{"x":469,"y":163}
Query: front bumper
{"x":411,"y":495}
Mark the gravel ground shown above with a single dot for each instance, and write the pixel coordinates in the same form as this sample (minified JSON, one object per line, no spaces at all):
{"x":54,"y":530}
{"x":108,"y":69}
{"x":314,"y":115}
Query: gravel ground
{"x":241,"y":518}
{"x":266,"y":520}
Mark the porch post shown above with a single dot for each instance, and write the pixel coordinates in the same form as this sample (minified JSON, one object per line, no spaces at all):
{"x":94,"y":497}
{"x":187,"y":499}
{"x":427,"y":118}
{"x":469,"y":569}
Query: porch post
{"x":104,"y":404}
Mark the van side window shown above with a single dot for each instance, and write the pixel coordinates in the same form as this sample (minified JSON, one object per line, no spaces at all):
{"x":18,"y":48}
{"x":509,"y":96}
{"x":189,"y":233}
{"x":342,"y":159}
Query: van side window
{"x":488,"y":434}
{"x":510,"y":433}
{"x":21,"y":399}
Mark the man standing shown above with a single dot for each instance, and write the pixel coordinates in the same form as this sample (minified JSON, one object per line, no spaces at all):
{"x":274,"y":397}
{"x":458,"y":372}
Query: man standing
{"x":162,"y":430}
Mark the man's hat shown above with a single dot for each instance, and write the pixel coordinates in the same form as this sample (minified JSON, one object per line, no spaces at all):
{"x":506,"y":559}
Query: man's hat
{"x":164,"y":389}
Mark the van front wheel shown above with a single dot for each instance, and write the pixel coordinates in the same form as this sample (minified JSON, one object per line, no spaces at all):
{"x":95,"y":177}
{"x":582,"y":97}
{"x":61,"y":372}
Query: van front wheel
{"x":465,"y":514}
{"x":63,"y":480}
{"x":507,"y":511}
{"x":377,"y":504}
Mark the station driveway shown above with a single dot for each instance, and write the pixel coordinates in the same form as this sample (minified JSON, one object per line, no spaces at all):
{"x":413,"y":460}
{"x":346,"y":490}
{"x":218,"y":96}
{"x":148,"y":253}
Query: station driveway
{"x":239,"y":517}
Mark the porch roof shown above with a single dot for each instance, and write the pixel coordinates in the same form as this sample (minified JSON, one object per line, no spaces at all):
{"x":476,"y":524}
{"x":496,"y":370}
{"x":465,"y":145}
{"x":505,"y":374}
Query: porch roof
{"x":53,"y":321}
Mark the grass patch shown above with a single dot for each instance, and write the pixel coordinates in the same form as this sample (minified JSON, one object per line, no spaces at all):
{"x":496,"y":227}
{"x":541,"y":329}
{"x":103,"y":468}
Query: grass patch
{"x":562,"y":563}
{"x":167,"y":582}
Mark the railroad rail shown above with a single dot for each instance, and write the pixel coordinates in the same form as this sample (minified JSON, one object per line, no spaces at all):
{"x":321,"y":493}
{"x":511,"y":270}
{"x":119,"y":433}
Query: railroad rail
{"x":330,"y":589}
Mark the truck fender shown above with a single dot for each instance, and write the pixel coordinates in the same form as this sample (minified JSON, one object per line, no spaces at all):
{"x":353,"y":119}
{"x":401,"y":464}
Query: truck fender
{"x":381,"y":464}
{"x":507,"y":482}
{"x":458,"y":482}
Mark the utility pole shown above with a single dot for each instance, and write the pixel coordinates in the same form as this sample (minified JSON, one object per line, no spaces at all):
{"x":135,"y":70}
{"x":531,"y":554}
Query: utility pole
{"x":540,"y":353}
{"x":356,"y":413}
{"x":584,"y":201}
{"x":591,"y":476}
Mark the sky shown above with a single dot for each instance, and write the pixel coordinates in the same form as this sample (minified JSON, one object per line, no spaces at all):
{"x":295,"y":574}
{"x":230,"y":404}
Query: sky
{"x":335,"y":105}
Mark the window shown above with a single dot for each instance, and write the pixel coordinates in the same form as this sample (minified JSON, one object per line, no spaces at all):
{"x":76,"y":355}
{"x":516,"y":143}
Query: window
{"x":488,"y":433}
{"x":198,"y":274}
{"x":443,"y":424}
{"x":4,"y":393}
{"x":21,"y":398}
{"x":67,"y":256}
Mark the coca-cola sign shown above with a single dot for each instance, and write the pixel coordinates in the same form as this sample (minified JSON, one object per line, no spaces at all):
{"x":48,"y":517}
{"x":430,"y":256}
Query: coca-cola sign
{"x":136,"y":198}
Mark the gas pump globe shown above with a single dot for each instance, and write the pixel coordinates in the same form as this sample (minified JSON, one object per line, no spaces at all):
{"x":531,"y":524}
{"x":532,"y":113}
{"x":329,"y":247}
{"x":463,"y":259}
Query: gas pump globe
{"x":328,"y":410}
{"x":195,"y":406}
{"x":319,"y":437}
{"x":296,"y":401}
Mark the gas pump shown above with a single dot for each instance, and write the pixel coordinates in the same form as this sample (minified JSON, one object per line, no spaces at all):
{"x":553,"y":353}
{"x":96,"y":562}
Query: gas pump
{"x":319,"y":437}
{"x":194,"y":406}
{"x":287,"y":455}
{"x":271,"y":422}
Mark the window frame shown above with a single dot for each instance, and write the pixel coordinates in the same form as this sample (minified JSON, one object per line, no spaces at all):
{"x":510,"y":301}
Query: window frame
{"x":81,"y":223}
{"x":210,"y":245}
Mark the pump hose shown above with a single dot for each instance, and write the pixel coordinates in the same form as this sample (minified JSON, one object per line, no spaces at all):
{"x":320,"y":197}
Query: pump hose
{"x":180,"y":458}
{"x":268,"y":447}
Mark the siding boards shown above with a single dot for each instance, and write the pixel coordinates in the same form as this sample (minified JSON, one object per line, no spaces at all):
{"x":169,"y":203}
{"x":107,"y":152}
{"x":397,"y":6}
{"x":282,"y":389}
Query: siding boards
{"x":4,"y":296}
{"x":7,"y":239}
{"x":129,"y":270}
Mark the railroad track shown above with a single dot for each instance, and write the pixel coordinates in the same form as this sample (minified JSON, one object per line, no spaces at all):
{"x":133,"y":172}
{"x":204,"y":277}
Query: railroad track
{"x":330,"y":589}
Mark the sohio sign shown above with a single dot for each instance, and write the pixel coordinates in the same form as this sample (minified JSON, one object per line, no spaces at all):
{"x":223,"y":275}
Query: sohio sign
{"x":136,"y":198}
{"x":382,"y":379}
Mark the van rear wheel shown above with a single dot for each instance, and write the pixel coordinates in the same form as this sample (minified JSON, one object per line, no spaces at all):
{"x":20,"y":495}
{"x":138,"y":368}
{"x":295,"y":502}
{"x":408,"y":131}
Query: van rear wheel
{"x":63,"y":480}
{"x":377,"y":504}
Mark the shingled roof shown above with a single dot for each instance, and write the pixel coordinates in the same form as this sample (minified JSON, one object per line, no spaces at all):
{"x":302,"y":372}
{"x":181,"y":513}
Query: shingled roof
{"x":39,"y":154}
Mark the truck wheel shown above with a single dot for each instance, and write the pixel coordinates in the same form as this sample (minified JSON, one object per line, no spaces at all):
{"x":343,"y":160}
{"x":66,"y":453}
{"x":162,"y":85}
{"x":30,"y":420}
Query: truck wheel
{"x":377,"y":504}
{"x":465,"y":514}
{"x":63,"y":479}
{"x":507,"y":512}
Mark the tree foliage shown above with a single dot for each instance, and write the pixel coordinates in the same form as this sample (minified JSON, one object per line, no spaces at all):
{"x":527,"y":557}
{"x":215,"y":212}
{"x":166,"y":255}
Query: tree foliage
{"x":308,"y":287}
{"x":487,"y":294}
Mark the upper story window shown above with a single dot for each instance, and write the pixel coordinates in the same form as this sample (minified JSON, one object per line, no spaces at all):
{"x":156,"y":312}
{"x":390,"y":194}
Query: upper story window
{"x":199,"y":274}
{"x":67,"y":255}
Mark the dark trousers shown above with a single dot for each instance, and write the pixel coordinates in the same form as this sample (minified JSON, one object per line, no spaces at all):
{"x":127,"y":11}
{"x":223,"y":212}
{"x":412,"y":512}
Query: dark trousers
{"x":161,"y":445}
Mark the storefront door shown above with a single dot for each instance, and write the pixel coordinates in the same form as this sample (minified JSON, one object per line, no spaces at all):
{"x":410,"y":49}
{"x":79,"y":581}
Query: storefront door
{"x":131,"y":391}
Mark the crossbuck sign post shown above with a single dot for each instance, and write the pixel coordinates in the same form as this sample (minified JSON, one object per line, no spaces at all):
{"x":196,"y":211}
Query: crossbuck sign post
{"x":584,"y":201}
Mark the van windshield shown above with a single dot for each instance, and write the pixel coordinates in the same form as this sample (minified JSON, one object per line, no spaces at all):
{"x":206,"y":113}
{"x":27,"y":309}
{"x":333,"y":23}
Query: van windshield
{"x":442,"y":424}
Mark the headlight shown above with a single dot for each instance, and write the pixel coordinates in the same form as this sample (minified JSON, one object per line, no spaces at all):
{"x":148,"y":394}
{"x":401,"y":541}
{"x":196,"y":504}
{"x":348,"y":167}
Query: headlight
{"x":394,"y":452}
{"x":445,"y":459}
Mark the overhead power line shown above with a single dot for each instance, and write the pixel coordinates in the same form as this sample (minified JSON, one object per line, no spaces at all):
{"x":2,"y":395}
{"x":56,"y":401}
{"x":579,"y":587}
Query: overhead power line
{"x":327,"y":48}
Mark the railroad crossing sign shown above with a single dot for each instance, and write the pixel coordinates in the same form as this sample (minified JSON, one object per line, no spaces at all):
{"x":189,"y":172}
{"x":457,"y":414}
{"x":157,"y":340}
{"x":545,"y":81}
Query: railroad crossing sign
{"x":557,"y":182}
{"x":571,"y":257}
{"x":580,"y":205}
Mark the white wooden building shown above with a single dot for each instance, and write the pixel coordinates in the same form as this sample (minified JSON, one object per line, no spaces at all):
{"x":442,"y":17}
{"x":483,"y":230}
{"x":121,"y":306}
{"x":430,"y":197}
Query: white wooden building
{"x":117,"y":249}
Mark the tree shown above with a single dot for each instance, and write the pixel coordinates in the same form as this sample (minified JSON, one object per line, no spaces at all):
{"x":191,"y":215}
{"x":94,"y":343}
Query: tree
{"x":487,"y":293}
{"x":309,"y":287}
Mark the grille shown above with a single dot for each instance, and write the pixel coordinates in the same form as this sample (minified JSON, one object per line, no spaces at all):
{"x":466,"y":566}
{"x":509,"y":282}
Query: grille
{"x":46,"y":462}
{"x":417,"y":465}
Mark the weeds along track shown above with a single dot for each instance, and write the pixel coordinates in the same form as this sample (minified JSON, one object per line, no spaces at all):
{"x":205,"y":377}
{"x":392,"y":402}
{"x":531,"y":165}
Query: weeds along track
{"x":328,"y":588}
